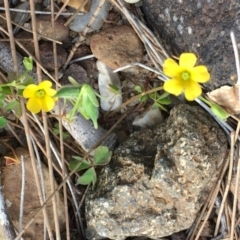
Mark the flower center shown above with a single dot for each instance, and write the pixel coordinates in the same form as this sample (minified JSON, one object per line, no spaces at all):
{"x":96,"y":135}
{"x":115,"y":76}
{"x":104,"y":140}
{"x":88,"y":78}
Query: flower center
{"x":40,"y":93}
{"x":185,"y":76}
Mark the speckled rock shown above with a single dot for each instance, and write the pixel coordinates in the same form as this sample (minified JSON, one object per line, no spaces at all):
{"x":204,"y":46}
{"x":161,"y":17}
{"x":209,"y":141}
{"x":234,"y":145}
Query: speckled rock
{"x":117,"y":46}
{"x":158,"y":177}
{"x":202,"y":27}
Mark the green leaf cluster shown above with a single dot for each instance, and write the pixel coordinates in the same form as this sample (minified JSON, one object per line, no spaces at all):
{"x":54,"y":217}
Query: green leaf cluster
{"x":102,"y":156}
{"x":85,"y":100}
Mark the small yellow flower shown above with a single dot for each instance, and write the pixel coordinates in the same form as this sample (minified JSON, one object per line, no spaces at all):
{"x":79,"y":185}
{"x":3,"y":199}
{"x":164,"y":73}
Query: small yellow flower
{"x":185,"y":77}
{"x":40,"y":97}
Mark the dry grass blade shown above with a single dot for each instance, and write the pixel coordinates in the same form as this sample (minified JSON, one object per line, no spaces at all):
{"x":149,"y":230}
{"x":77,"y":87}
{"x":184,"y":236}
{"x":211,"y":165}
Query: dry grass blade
{"x":227,"y":186}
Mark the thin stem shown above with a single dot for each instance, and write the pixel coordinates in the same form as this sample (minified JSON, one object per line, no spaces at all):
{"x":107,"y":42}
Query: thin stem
{"x":236,"y":55}
{"x":22,"y":194}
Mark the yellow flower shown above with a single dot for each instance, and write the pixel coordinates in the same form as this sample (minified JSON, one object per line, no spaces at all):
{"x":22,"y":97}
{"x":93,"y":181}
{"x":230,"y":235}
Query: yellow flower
{"x":40,"y":97}
{"x":185,"y":77}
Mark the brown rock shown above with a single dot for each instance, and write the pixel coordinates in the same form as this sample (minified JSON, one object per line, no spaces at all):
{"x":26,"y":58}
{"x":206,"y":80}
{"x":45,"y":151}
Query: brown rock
{"x":117,"y":46}
{"x":77,"y":3}
{"x":12,"y":176}
{"x":44,"y":27}
{"x":47,"y":56}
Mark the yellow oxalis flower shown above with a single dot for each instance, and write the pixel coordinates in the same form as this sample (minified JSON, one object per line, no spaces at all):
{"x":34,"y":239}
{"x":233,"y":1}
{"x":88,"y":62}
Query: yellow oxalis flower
{"x":40,"y":97}
{"x":184,"y":76}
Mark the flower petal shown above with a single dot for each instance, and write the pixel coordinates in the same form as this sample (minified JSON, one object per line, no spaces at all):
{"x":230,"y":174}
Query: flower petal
{"x":173,"y":86}
{"x":50,"y":92}
{"x":200,"y":74}
{"x":192,"y":90}
{"x":47,"y":103}
{"x":187,"y":60}
{"x":44,"y":84}
{"x":34,"y":105}
{"x":170,"y":68}
{"x":30,"y":90}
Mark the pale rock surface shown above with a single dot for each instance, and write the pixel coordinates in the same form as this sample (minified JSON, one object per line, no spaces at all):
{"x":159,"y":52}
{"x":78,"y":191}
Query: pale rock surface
{"x":11,"y":182}
{"x":149,"y":118}
{"x":117,"y":46}
{"x":44,"y":27}
{"x":158,"y":179}
{"x":80,"y":22}
{"x":110,"y":99}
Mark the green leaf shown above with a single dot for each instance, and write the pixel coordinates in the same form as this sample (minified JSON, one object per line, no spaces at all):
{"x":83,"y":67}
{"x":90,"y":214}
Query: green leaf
{"x":138,"y":89}
{"x":3,"y":122}
{"x":68,"y":92}
{"x":2,"y":98}
{"x":88,"y":177}
{"x":85,"y":164}
{"x":88,"y":109}
{"x":143,"y":98}
{"x":164,"y":101}
{"x":219,"y":112}
{"x":163,"y":108}
{"x":15,"y":106}
{"x":155,"y":105}
{"x":102,"y":156}
{"x":164,"y":95}
{"x":6,"y":90}
{"x":87,"y":90}
{"x":73,"y":82}
{"x":28,"y":63}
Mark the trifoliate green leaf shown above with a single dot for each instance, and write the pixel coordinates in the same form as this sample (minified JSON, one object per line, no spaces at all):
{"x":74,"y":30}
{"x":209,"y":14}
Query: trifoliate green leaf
{"x":88,"y":90}
{"x":28,"y":63}
{"x":84,"y":165}
{"x":138,"y":89}
{"x":3,"y":122}
{"x":15,"y":106}
{"x":88,"y":177}
{"x":102,"y":156}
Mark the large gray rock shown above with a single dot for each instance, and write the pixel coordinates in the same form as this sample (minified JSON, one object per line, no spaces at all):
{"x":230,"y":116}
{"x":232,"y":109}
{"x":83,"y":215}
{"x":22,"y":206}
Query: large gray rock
{"x":202,"y":27}
{"x":158,"y":179}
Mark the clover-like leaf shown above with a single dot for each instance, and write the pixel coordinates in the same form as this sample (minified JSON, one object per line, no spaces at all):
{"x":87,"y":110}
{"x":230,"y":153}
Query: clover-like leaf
{"x":143,"y":98}
{"x":88,"y":177}
{"x":86,"y":106}
{"x":87,"y":90}
{"x":28,"y":63}
{"x":164,"y":101}
{"x":6,"y":90}
{"x":138,"y":89}
{"x":84,"y":165}
{"x":15,"y":106}
{"x":102,"y":156}
{"x":3,"y":122}
{"x":68,"y":92}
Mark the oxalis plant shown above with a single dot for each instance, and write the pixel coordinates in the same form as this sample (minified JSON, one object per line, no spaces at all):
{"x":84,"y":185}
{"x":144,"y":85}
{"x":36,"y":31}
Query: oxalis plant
{"x":102,"y":156}
{"x":10,"y":92}
{"x":184,"y":77}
